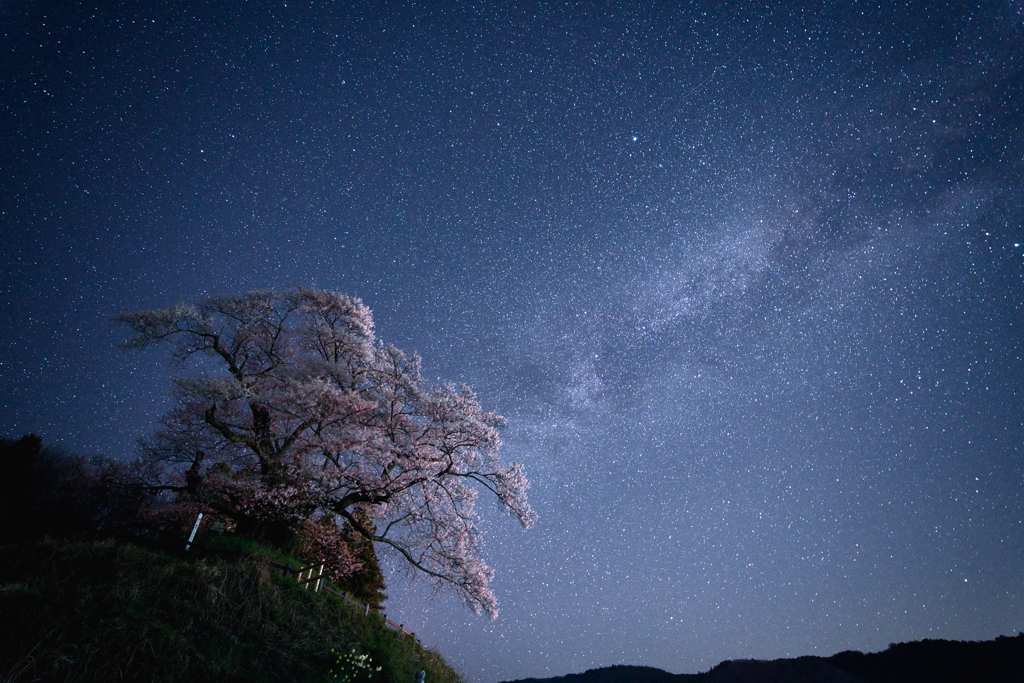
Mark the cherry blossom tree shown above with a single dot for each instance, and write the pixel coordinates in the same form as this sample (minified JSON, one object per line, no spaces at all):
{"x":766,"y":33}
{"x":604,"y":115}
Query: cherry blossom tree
{"x":299,"y":414}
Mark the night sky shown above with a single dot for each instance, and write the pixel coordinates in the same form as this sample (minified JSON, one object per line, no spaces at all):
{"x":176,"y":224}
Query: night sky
{"x":746,"y":280}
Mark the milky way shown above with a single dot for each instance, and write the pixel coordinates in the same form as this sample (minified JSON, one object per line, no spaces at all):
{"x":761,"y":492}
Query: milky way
{"x":745,"y":280}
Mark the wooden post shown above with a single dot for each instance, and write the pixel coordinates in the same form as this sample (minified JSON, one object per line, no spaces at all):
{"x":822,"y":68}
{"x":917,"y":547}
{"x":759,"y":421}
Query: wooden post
{"x":194,"y":530}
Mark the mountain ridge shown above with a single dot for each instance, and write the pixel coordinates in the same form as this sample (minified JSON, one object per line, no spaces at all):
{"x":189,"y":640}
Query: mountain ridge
{"x":1000,"y":660}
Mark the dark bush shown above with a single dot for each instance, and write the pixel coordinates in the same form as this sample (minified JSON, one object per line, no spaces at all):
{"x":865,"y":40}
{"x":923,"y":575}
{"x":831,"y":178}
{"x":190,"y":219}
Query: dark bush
{"x":50,"y":492}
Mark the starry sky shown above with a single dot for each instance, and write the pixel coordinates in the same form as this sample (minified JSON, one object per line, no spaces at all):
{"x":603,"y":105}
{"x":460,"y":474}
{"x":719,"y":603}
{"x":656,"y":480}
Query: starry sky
{"x":745,"y":278}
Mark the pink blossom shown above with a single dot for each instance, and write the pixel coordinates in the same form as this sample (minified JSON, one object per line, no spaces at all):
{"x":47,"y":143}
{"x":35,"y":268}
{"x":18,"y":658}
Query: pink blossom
{"x":310,"y":418}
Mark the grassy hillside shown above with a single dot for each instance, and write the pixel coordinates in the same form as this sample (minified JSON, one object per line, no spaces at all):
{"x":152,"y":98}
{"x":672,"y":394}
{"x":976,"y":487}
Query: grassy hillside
{"x":108,"y":610}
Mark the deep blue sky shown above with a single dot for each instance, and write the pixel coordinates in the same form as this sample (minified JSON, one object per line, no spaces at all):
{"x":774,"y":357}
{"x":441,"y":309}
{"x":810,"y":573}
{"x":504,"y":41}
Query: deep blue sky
{"x":747,"y":281}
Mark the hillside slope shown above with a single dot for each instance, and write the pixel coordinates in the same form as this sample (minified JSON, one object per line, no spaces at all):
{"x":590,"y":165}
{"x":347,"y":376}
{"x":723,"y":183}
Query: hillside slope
{"x":109,"y":610}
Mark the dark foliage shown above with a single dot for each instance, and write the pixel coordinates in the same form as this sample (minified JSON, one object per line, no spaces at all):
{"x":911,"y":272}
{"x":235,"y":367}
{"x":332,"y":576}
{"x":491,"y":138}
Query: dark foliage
{"x":367,"y":583}
{"x":49,"y":492}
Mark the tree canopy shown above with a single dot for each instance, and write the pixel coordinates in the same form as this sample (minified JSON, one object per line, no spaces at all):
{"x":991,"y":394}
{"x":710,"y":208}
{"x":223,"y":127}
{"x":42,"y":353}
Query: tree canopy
{"x":299,"y":414}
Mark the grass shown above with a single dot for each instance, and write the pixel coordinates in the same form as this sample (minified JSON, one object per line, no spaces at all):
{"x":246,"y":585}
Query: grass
{"x":105,"y":610}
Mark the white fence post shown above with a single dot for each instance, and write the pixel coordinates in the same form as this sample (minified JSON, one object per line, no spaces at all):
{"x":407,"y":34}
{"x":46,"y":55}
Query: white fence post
{"x":194,"y":530}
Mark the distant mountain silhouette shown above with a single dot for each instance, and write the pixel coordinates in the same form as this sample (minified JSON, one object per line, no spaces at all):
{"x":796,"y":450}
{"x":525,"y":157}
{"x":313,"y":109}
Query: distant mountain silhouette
{"x":613,"y":674}
{"x":927,"y":661}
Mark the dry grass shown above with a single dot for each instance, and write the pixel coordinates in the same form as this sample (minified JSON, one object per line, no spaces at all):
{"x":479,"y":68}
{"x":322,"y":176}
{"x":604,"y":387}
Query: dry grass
{"x":108,"y":611}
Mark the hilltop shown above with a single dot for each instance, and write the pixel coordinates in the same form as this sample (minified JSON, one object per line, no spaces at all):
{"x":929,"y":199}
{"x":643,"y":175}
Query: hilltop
{"x":105,"y":610}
